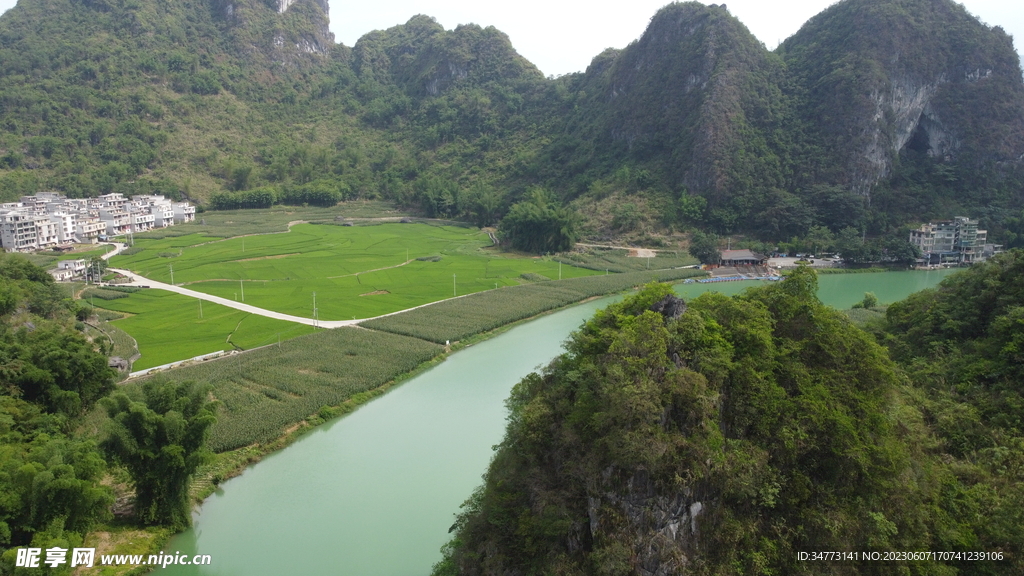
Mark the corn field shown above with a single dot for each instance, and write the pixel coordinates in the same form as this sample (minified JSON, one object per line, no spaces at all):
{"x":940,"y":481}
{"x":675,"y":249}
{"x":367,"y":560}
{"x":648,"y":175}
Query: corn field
{"x":265,"y":391}
{"x":459,"y":318}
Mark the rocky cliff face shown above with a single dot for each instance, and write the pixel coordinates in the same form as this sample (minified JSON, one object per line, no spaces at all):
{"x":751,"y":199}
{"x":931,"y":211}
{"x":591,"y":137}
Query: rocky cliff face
{"x":879,"y":78}
{"x":287,"y":32}
{"x":698,"y":95}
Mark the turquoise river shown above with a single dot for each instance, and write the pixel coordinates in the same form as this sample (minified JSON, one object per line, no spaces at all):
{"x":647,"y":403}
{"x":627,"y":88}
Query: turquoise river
{"x":375,"y":492}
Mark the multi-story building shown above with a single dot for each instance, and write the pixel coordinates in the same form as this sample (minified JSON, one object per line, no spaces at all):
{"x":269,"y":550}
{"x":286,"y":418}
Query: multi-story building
{"x":184,"y":212}
{"x":65,"y":222}
{"x":956,"y":241}
{"x":118,"y":220}
{"x":47,"y":218}
{"x":76,"y":267}
{"x":88,"y":228}
{"x":18,"y":231}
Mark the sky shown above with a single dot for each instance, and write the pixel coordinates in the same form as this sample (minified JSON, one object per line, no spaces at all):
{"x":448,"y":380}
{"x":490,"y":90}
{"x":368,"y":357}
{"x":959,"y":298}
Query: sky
{"x":562,"y":36}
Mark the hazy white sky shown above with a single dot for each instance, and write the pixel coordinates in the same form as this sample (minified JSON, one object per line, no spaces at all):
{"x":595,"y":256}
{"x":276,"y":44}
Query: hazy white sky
{"x":561,"y":36}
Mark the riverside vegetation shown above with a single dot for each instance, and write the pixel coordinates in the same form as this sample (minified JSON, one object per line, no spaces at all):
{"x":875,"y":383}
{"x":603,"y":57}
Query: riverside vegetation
{"x":726,"y":435}
{"x":68,"y":448}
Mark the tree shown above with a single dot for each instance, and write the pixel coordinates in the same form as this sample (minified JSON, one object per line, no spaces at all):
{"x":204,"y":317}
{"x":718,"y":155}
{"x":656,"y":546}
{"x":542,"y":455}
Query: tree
{"x":161,"y":443}
{"x":691,"y":208}
{"x":820,"y":239}
{"x":539,"y":225}
{"x":704,"y":247}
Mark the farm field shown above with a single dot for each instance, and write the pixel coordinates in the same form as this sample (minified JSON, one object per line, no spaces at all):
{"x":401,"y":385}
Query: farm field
{"x":84,"y":252}
{"x":265,"y":391}
{"x":355,"y":271}
{"x":615,"y":260}
{"x":231,"y":223}
{"x":167,"y":326}
{"x":456,"y":319}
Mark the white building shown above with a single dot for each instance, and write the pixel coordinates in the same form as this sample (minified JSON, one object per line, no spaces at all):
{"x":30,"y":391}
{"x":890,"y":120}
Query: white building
{"x":18,"y":231}
{"x":184,"y":212}
{"x":76,"y":267}
{"x":66,"y":229}
{"x":48,"y":218}
{"x":956,"y":241}
{"x":87,"y":229}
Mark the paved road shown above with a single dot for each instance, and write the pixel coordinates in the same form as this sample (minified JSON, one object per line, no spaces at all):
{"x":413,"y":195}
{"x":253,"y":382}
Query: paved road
{"x":143,"y":281}
{"x":118,"y":246}
{"x":137,"y":280}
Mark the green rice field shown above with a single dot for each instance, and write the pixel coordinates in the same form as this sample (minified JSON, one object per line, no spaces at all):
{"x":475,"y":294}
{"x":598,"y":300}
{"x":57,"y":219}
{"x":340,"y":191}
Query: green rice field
{"x":355,"y":271}
{"x":167,"y":326}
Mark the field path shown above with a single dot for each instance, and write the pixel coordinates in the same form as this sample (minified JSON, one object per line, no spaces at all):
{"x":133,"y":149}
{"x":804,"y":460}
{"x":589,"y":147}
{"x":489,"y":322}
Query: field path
{"x":633,"y":251}
{"x":367,"y":271}
{"x":141,"y":281}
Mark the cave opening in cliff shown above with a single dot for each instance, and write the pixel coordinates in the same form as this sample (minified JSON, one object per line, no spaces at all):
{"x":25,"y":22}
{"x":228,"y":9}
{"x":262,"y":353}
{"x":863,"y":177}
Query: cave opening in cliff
{"x":920,"y":140}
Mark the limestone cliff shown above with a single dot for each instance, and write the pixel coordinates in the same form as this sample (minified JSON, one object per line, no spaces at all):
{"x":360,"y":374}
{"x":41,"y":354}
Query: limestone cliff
{"x":286,"y":32}
{"x":876,"y":78}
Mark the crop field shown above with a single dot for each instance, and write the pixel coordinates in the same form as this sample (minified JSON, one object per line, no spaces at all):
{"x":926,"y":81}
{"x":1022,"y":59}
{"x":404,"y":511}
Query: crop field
{"x":355,"y":271}
{"x":615,"y":260}
{"x":456,"y":319}
{"x":265,"y":391}
{"x":167,"y":326}
{"x":230,"y":223}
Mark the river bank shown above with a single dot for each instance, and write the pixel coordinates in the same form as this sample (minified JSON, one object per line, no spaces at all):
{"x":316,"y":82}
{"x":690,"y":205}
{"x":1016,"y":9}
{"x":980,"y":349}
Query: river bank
{"x":364,"y":434}
{"x":296,"y":359}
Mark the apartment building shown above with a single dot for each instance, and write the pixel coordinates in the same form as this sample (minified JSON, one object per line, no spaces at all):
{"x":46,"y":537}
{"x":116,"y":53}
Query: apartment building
{"x":956,"y":241}
{"x":48,"y":218}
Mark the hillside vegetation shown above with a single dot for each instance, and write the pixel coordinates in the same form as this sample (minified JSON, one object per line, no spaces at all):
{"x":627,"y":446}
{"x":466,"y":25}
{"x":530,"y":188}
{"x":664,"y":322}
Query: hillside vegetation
{"x":726,"y":435}
{"x":875,"y":114}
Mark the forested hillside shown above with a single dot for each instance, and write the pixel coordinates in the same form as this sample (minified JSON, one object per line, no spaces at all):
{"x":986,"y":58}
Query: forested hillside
{"x":51,"y":375}
{"x":727,"y":435}
{"x":876,"y":113}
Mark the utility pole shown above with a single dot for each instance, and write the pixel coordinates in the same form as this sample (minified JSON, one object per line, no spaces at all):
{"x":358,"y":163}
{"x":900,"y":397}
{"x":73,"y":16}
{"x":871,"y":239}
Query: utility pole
{"x":200,"y":308}
{"x":454,"y":291}
{"x":172,"y":274}
{"x":242,"y":288}
{"x":559,"y":270}
{"x":315,"y":321}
